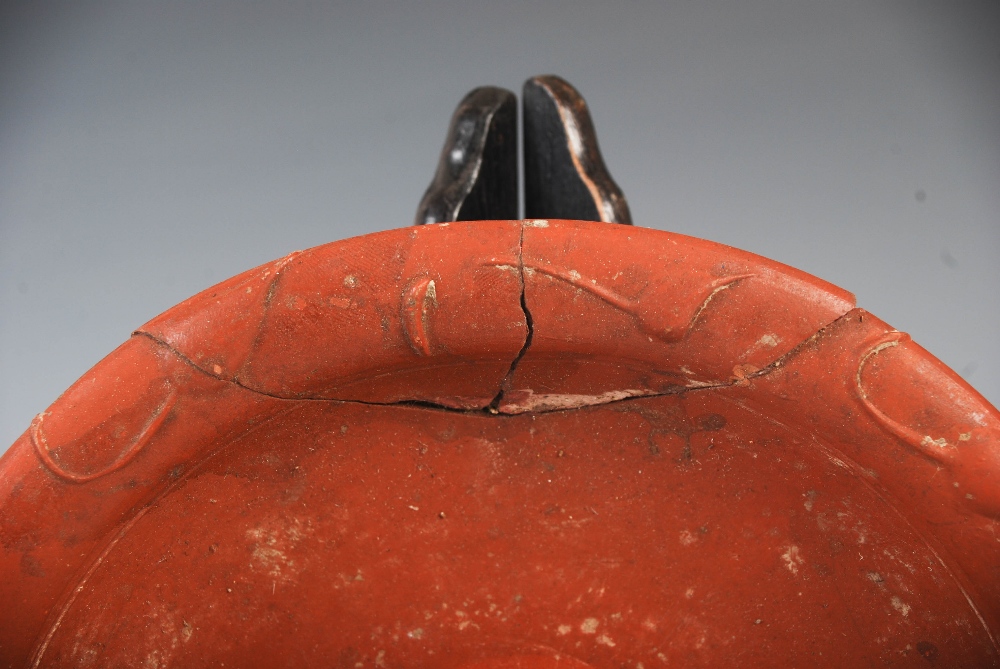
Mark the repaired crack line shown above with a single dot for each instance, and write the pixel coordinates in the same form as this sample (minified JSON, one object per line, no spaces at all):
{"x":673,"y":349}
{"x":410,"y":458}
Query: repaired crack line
{"x":414,"y":403}
{"x":493,"y":407}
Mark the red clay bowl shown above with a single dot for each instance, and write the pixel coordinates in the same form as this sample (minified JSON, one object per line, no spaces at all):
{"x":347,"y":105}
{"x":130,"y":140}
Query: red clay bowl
{"x":508,"y":444}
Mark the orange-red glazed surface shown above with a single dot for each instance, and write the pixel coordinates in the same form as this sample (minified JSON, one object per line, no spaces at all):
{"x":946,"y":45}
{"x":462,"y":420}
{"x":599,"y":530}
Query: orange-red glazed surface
{"x":508,"y":444}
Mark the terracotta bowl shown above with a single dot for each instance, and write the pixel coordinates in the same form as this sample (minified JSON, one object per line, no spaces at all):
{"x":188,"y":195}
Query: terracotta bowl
{"x":508,"y":444}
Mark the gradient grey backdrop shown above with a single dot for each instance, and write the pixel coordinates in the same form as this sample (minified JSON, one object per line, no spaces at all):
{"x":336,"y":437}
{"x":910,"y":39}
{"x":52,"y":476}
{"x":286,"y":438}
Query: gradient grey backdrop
{"x":149,"y":150}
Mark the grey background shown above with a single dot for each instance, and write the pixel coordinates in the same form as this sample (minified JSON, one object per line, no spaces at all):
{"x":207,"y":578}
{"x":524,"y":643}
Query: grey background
{"x":149,"y":150}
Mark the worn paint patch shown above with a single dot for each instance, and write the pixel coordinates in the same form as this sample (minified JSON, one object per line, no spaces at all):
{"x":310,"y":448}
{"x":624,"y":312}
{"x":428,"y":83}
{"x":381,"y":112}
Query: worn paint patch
{"x":900,"y":606}
{"x":792,"y":559}
{"x":271,"y":544}
{"x":525,"y":401}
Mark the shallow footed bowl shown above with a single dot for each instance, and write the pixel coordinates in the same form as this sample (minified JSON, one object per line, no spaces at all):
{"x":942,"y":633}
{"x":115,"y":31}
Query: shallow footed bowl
{"x":508,"y":444}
